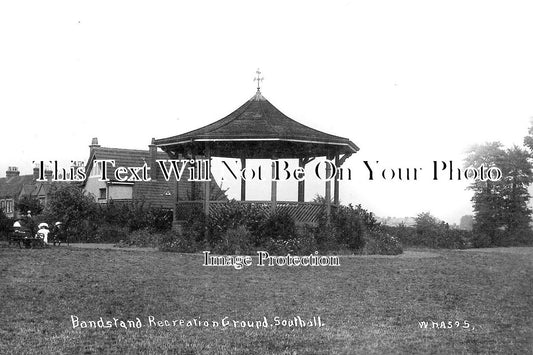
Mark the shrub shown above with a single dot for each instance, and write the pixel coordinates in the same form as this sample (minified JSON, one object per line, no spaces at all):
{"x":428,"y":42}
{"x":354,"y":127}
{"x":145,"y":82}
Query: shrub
{"x":346,"y":228}
{"x":350,"y":226}
{"x":405,"y":234}
{"x":452,"y":239}
{"x":108,"y":233}
{"x":429,"y":232}
{"x":136,"y":216}
{"x":234,"y":241}
{"x":240,"y":228}
{"x":178,"y":242}
{"x":379,"y":242}
{"x":522,"y":237}
{"x":6,"y":224}
{"x":278,"y":226}
{"x":159,"y":219}
{"x":142,"y":238}
{"x":300,"y":245}
{"x":68,"y":204}
{"x":440,"y":235}
{"x":234,"y":215}
{"x":196,"y":228}
{"x":481,"y":240}
{"x":28,"y":203}
{"x":305,"y":243}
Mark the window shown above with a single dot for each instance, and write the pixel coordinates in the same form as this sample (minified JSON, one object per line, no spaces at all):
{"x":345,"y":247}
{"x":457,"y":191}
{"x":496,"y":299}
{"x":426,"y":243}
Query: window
{"x":103,"y":194}
{"x":9,"y":206}
{"x":3,"y":205}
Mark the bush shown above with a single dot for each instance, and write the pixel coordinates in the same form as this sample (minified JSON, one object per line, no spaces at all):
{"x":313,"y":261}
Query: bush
{"x":440,"y":235}
{"x":136,"y":216}
{"x":87,"y":221}
{"x":178,"y":242}
{"x":278,"y":226}
{"x":481,"y":240}
{"x":518,"y":238}
{"x":379,"y":242}
{"x":300,"y":245}
{"x":108,"y":233}
{"x":78,"y":212}
{"x":196,"y":228}
{"x":142,"y":238}
{"x":346,"y":229}
{"x":429,"y":232}
{"x":234,"y":215}
{"x":305,"y":242}
{"x":159,"y":219}
{"x":6,"y":224}
{"x":235,"y":241}
{"x":350,"y":226}
{"x":28,"y":203}
{"x":452,"y":239}
{"x":244,"y":228}
{"x":406,"y":235}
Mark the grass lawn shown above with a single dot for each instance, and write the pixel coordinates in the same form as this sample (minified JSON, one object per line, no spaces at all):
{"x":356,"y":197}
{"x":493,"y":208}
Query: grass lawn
{"x":367,"y":305}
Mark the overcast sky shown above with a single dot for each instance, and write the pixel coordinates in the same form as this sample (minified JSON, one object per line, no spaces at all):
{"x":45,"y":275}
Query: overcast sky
{"x":409,"y":82}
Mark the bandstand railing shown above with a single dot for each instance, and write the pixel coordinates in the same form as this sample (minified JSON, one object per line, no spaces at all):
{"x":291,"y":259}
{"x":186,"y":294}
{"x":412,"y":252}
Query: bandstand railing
{"x":301,"y":212}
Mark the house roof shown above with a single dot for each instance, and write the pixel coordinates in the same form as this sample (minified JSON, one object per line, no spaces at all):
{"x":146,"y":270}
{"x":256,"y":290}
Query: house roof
{"x":157,"y":193}
{"x":258,"y":129}
{"x":12,"y":186}
{"x":122,"y":157}
{"x":28,"y":189}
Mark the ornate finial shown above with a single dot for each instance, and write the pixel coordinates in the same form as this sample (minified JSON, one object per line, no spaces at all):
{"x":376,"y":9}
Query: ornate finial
{"x":259,"y":79}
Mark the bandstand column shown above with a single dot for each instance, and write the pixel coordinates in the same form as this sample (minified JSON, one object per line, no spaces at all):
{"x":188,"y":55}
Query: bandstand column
{"x":243,"y":181}
{"x":273,"y":190}
{"x":336,"y":183}
{"x":301,"y":184}
{"x":328,"y":187}
{"x":207,"y":183}
{"x":175,"y":223}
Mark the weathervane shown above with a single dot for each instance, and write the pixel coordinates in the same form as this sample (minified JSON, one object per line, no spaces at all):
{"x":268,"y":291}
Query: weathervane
{"x":259,"y":79}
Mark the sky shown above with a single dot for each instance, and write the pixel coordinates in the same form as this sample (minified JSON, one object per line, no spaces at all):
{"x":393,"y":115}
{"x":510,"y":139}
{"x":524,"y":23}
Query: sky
{"x":409,"y":82}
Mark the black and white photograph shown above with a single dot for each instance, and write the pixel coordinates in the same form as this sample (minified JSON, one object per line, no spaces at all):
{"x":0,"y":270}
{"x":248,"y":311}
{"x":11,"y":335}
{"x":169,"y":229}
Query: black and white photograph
{"x":266,"y":177}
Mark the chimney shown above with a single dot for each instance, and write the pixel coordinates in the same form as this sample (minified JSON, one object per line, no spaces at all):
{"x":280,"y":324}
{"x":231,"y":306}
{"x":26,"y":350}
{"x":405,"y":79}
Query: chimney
{"x":48,"y":174}
{"x":12,"y":171}
{"x":36,"y":173}
{"x":154,"y":171}
{"x":94,"y":142}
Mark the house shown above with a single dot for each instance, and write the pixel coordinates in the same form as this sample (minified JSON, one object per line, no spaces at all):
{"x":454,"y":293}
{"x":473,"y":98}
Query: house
{"x":14,"y":186}
{"x":157,"y":192}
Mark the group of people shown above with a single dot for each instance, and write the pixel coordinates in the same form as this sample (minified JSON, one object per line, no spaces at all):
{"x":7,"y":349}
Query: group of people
{"x":26,"y":225}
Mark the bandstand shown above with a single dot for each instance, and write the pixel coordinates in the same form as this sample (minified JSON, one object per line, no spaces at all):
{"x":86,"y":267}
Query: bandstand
{"x":258,"y":130}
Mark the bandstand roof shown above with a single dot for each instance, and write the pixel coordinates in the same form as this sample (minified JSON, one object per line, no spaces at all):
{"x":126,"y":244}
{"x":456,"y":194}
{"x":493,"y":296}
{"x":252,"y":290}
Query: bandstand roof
{"x":257,"y":130}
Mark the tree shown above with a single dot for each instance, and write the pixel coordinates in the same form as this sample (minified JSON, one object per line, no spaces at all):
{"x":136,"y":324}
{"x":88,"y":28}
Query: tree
{"x":487,"y":199}
{"x":426,"y":224}
{"x":28,"y":203}
{"x":517,"y":176}
{"x":467,"y":222}
{"x":500,"y":205}
{"x":68,"y":203}
{"x":528,"y":140}
{"x":5,"y":223}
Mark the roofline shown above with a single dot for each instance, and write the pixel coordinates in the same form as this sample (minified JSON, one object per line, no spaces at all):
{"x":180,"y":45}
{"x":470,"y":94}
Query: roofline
{"x":256,"y":139}
{"x":116,"y":182}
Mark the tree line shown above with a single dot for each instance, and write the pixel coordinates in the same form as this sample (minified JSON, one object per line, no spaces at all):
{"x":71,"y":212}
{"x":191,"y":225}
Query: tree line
{"x":502,"y":215}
